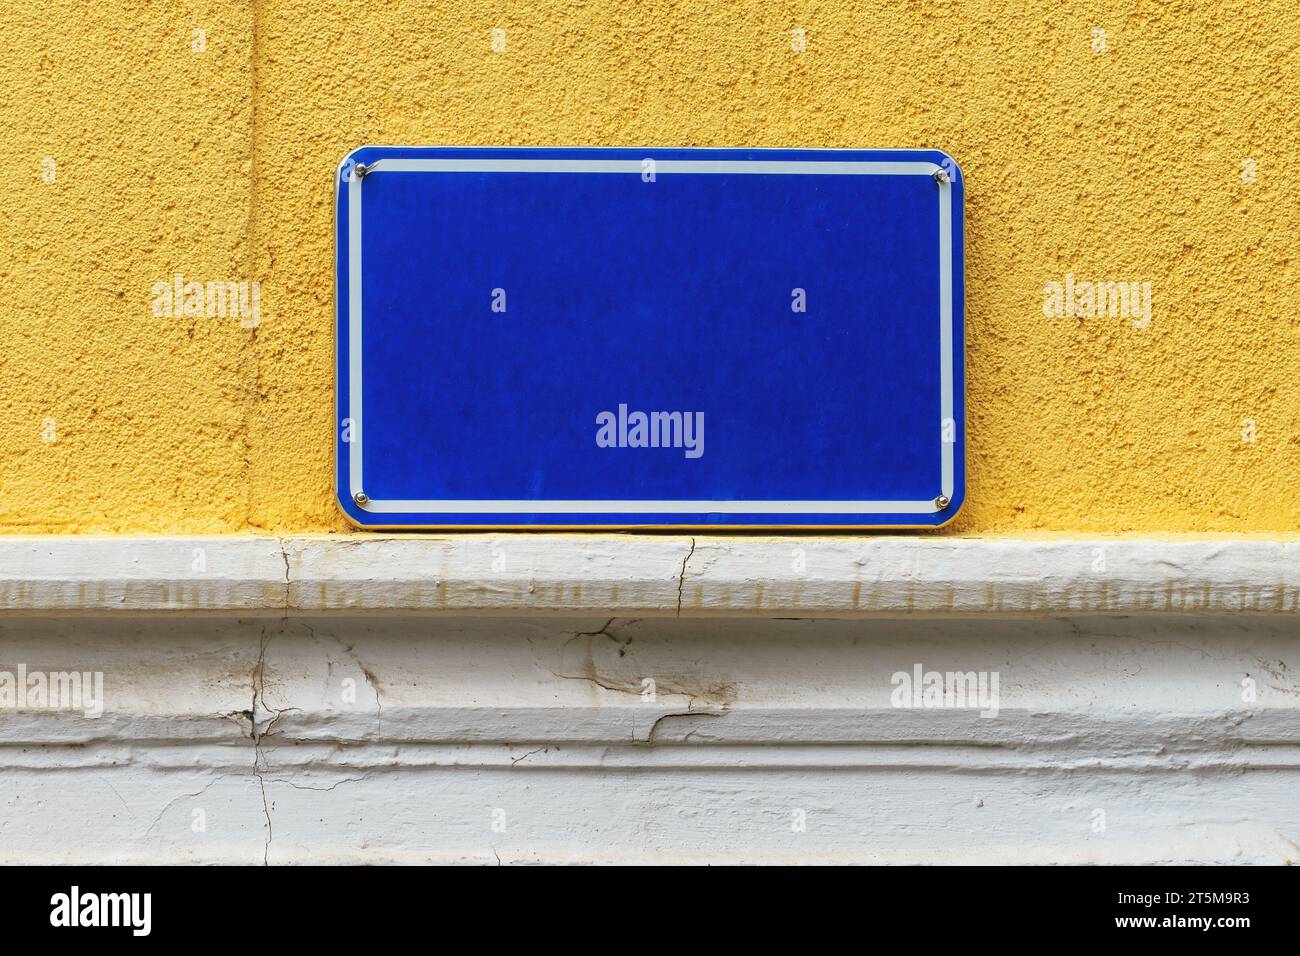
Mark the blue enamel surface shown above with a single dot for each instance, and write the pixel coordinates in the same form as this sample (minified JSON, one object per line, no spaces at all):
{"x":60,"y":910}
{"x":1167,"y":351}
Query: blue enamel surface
{"x":672,"y":295}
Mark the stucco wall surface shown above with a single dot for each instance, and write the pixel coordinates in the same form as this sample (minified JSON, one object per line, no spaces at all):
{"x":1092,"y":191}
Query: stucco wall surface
{"x":1111,"y":142}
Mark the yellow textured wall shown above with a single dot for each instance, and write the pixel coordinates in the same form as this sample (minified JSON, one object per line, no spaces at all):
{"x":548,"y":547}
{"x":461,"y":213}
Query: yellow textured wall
{"x":1122,"y":163}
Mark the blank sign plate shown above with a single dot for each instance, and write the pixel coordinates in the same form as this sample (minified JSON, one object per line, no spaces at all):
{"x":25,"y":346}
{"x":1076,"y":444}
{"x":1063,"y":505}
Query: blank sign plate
{"x":662,"y":338}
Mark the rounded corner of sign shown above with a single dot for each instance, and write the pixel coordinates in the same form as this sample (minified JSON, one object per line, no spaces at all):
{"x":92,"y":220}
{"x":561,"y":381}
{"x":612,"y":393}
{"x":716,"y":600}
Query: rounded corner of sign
{"x":351,"y":157}
{"x":355,"y":156}
{"x":349,"y":510}
{"x":948,"y":163}
{"x":950,"y":511}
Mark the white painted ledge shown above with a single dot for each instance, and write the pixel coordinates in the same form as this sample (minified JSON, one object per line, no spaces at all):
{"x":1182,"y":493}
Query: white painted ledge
{"x":648,"y":575}
{"x":348,"y":739}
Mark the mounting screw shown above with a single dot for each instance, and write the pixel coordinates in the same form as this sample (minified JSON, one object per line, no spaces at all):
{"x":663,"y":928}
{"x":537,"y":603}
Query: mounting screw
{"x":361,"y":498}
{"x":941,"y":176}
{"x":941,"y":502}
{"x":360,"y":170}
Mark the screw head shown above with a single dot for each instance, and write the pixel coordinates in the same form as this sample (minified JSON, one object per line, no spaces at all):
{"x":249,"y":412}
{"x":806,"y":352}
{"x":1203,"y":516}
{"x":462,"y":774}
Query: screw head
{"x":361,"y":498}
{"x":941,"y":176}
{"x":941,"y":502}
{"x":359,"y":170}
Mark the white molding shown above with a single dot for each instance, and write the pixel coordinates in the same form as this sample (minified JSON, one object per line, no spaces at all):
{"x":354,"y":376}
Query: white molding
{"x":649,"y":575}
{"x":370,"y":739}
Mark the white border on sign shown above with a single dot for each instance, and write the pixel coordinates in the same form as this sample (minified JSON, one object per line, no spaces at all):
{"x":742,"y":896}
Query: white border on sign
{"x":634,"y":166}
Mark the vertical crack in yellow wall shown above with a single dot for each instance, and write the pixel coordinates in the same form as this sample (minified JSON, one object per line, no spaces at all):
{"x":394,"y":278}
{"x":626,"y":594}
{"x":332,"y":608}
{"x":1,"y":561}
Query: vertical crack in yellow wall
{"x":1104,"y":143}
{"x":259,"y":266}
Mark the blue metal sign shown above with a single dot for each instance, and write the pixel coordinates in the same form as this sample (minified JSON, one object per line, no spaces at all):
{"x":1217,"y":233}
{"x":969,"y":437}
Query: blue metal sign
{"x":661,"y":338}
